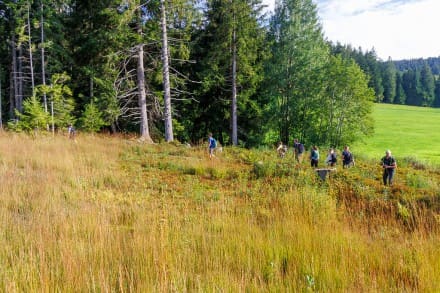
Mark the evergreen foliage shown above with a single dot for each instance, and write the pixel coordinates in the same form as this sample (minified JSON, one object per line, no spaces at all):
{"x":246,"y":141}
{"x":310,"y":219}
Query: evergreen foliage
{"x":410,"y":82}
{"x":295,"y":72}
{"x":91,"y":120}
{"x":33,"y":118}
{"x":247,"y":78}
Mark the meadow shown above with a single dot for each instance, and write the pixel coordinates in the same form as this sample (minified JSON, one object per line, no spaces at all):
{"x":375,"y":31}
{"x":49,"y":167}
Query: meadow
{"x":113,"y":214}
{"x":410,"y":132}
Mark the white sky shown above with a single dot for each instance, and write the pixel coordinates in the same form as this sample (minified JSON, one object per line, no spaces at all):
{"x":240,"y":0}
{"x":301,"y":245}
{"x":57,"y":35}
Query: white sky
{"x":400,"y":29}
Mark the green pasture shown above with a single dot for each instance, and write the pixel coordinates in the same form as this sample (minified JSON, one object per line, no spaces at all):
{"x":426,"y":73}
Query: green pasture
{"x":409,"y":132}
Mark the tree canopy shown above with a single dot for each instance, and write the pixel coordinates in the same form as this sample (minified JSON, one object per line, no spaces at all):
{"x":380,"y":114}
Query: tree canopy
{"x":212,"y":66}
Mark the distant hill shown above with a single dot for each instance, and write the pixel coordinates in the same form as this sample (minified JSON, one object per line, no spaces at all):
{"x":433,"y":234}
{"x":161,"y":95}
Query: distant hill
{"x":415,"y":64}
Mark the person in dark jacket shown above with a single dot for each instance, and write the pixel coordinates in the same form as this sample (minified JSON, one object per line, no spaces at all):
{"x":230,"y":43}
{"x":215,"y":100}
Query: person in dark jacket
{"x":347,"y":158}
{"x":389,"y":166}
{"x":314,"y":156}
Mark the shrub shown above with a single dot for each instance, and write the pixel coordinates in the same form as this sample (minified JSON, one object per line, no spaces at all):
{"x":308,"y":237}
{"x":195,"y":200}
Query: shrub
{"x":33,"y":117}
{"x":91,"y":120}
{"x":261,"y":169}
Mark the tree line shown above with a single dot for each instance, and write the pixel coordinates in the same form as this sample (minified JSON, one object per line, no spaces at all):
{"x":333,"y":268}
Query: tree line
{"x":178,"y":69}
{"x":410,"y":82}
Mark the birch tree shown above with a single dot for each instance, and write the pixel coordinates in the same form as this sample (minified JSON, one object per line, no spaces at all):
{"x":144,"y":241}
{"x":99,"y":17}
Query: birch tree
{"x":295,"y":71}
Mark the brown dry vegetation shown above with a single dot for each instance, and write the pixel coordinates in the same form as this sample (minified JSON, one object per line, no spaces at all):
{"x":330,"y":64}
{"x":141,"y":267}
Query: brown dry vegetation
{"x":112,"y":214}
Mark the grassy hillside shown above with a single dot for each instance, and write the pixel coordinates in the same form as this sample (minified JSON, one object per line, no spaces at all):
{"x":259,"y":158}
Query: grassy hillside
{"x":108,"y":214}
{"x":408,"y":131}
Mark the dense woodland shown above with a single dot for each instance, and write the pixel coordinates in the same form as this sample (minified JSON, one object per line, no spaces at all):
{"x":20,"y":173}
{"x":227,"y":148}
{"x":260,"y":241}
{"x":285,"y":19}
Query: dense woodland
{"x":411,"y":82}
{"x":178,"y":69}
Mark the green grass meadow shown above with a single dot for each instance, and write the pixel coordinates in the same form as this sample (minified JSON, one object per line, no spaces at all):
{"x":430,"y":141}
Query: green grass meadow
{"x":409,"y":132}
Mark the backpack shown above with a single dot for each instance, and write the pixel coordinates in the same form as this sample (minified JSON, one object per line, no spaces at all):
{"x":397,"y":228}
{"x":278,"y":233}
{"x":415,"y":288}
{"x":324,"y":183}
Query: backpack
{"x":213,"y":143}
{"x":334,"y":159}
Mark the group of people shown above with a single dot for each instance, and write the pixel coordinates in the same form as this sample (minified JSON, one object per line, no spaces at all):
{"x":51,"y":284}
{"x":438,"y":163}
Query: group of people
{"x":331,"y":160}
{"x":388,"y":162}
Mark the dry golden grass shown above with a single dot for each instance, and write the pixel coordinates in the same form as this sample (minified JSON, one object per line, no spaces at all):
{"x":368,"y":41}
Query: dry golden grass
{"x":111,"y":214}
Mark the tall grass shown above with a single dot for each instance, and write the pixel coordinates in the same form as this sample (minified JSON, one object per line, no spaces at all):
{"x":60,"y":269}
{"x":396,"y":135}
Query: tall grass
{"x":107,"y":214}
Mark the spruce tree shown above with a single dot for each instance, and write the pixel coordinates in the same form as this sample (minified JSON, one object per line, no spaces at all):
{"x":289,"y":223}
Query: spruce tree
{"x":436,"y":102}
{"x":230,"y":68}
{"x":389,"y":75}
{"x":400,"y":92}
{"x":427,"y":85}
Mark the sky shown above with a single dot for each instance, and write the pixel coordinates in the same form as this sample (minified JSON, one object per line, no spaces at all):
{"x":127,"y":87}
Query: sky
{"x":400,"y":29}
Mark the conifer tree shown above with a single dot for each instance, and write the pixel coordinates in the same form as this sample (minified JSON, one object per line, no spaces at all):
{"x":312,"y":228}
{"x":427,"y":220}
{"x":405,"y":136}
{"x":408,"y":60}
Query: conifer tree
{"x":427,"y":85}
{"x":436,"y":102}
{"x":389,"y":81}
{"x":230,"y":69}
{"x":400,"y":92}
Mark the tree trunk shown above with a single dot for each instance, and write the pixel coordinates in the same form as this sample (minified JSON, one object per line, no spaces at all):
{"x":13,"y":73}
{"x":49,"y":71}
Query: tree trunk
{"x":1,"y":101}
{"x":11,"y":94}
{"x":20,"y":80}
{"x":14,"y":80}
{"x":30,"y":49}
{"x":91,"y":88}
{"x":144,"y":130}
{"x":234,"y":134}
{"x":43,"y":62}
{"x":166,"y":77}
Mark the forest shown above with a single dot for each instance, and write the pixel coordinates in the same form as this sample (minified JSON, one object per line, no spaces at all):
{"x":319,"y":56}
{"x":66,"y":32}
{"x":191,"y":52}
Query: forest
{"x":179,"y":69}
{"x":408,"y":82}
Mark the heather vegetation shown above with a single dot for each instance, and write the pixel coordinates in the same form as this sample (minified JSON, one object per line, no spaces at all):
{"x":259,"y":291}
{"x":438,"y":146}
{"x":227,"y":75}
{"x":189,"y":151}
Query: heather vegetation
{"x":115,"y":214}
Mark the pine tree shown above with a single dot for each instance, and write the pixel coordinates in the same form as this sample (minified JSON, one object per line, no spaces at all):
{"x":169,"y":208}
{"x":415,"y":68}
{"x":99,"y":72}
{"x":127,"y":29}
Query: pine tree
{"x":436,"y":102}
{"x":373,"y":70}
{"x":389,"y":75}
{"x":230,"y":68}
{"x":400,"y":92}
{"x":411,"y":86}
{"x":91,"y":119}
{"x":427,"y":85}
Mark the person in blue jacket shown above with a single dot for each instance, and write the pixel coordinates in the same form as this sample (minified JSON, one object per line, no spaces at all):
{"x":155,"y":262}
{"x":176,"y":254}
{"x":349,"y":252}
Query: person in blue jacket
{"x":212,"y":144}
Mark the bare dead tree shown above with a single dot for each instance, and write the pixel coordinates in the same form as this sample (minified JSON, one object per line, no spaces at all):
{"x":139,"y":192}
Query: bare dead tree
{"x":166,"y":76}
{"x":30,"y":47}
{"x":43,"y":62}
{"x":140,"y":70}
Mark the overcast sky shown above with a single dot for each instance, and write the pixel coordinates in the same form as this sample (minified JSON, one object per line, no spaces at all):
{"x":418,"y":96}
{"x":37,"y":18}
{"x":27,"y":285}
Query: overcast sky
{"x":400,"y":29}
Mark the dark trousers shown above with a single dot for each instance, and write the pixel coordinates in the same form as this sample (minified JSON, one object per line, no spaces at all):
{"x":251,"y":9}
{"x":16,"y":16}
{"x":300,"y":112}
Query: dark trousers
{"x":388,"y":174}
{"x":314,"y":163}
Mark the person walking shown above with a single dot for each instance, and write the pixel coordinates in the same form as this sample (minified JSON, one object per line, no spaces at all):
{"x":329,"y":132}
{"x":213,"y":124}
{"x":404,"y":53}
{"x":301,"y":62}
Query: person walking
{"x":347,"y":158}
{"x":282,"y":149}
{"x":71,"y":132}
{"x":299,"y":150}
{"x":331,"y":158}
{"x":212,"y":144}
{"x":314,"y":156}
{"x":389,"y":166}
